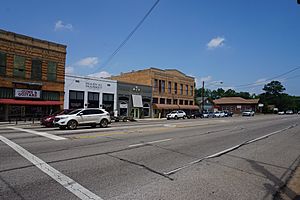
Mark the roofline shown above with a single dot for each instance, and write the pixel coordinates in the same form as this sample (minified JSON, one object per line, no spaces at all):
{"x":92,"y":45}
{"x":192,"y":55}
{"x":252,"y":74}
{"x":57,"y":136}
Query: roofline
{"x":91,"y":78}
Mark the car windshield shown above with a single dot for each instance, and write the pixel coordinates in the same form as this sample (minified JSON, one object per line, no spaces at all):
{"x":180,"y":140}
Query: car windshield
{"x":74,"y":112}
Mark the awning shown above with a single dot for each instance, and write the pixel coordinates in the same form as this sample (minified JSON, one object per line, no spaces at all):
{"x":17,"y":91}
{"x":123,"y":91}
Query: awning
{"x":30,"y":102}
{"x":137,"y":101}
{"x":188,"y":107}
{"x":165,"y":106}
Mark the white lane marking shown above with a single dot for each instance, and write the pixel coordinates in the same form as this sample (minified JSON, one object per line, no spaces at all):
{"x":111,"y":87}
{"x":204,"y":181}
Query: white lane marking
{"x":153,"y":142}
{"x":227,"y":150}
{"x":44,"y":134}
{"x":64,"y":180}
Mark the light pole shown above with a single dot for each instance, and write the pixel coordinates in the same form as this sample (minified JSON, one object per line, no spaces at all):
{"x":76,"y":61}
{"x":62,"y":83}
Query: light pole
{"x":214,"y":82}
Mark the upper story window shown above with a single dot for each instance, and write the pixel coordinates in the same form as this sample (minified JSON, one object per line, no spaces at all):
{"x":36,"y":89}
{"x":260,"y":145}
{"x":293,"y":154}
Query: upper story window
{"x":51,"y":71}
{"x":19,"y":66}
{"x":169,"y":87}
{"x":163,"y":86}
{"x":192,"y":91}
{"x":155,"y":85}
{"x":186,"y":90}
{"x":36,"y":70}
{"x":175,"y":88}
{"x":2,"y":63}
{"x":181,"y":89}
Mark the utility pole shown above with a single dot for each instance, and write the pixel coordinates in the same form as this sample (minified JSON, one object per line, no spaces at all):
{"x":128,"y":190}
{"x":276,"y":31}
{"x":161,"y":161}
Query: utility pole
{"x":202,"y":109}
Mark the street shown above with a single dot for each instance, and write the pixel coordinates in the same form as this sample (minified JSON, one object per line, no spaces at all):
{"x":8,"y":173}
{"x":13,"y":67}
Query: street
{"x":220,"y":158}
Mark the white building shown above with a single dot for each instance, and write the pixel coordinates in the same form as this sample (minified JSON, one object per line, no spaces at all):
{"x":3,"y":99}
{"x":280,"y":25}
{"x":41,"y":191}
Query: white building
{"x":90,"y":92}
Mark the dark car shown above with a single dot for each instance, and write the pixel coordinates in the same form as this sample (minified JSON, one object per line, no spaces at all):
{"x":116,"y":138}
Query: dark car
{"x":228,"y":113}
{"x":196,"y":115}
{"x":48,"y":120}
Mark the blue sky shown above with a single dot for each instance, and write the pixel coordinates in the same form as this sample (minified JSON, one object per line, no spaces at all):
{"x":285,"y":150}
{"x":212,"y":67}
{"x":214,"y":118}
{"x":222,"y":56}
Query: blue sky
{"x":235,"y":42}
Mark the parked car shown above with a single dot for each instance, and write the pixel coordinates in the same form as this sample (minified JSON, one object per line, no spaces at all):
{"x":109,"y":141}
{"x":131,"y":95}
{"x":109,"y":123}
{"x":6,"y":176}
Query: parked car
{"x":248,"y":113}
{"x":48,"y":120}
{"x":176,"y":114}
{"x":228,"y":113}
{"x":196,"y":115}
{"x":219,"y":114}
{"x":208,"y":114}
{"x":298,"y":112}
{"x":88,"y":116}
{"x":289,"y":112}
{"x":281,"y":113}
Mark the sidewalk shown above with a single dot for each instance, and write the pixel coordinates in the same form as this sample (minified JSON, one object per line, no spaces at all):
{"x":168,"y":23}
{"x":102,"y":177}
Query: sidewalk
{"x":150,"y":119}
{"x":20,"y":123}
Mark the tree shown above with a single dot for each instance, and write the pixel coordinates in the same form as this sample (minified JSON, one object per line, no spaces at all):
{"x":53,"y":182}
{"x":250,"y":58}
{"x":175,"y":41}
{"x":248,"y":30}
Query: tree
{"x":274,"y":88}
{"x":230,"y":93}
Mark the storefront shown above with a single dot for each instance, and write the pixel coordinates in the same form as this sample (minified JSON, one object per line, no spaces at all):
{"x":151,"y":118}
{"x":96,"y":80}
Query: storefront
{"x":134,"y":100}
{"x":88,"y":92}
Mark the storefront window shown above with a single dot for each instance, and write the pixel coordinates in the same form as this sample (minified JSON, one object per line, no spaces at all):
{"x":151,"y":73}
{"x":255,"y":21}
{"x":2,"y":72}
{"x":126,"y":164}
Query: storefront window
{"x":146,"y":110}
{"x":108,"y":102}
{"x":36,"y":70}
{"x":2,"y":63}
{"x":19,"y":66}
{"x":76,"y":99}
{"x":93,"y":100}
{"x":51,"y":96}
{"x":6,"y":93}
{"x":51,"y":73}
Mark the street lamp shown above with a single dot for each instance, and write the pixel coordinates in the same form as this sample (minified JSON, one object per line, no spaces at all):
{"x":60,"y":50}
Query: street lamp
{"x":211,"y":83}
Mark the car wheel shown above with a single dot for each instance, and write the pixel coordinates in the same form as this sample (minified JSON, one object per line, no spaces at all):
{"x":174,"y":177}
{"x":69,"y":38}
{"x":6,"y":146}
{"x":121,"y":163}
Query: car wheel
{"x":62,"y":127}
{"x":103,"y":123}
{"x":168,"y":118}
{"x":72,"y":125}
{"x":183,"y":117}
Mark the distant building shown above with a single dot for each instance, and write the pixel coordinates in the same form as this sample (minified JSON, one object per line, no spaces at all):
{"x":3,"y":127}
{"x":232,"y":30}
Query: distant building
{"x":89,"y":92}
{"x":32,"y":73}
{"x":134,"y":100}
{"x":208,"y":104}
{"x":236,"y":104}
{"x":172,"y":89}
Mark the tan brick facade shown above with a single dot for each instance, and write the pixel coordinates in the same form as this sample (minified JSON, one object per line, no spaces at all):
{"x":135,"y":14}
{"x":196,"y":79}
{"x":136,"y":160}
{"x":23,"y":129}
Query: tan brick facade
{"x":164,"y":96}
{"x":12,"y":44}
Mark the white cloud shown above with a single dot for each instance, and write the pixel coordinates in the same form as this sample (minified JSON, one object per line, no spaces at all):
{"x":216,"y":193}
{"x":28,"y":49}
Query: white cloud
{"x":88,"y":62}
{"x":69,"y":70}
{"x":261,"y":81}
{"x":59,"y":25}
{"x":102,"y":74}
{"x":206,"y":78}
{"x":216,"y":42}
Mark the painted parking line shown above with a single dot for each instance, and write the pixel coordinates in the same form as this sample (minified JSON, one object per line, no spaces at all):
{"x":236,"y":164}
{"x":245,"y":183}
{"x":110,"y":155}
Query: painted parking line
{"x":74,"y":187}
{"x":44,"y":134}
{"x":153,"y":142}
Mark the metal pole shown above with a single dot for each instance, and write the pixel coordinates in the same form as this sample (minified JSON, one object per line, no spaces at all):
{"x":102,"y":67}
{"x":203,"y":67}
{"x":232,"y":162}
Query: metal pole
{"x":202,"y":96}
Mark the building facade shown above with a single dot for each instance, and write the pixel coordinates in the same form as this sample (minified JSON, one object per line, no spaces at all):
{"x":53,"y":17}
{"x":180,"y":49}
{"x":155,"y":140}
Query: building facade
{"x":89,"y":92}
{"x":31,"y":76}
{"x":134,"y":100}
{"x":208,"y":104}
{"x":171,"y":89}
{"x":236,"y":105}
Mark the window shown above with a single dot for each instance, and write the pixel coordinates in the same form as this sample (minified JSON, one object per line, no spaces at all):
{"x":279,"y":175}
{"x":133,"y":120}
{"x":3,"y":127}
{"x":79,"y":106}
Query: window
{"x":181,"y":89}
{"x":169,"y":101}
{"x":192,"y":91}
{"x":159,"y":86}
{"x":186,"y":102}
{"x":96,"y":111}
{"x":163,"y":85}
{"x":51,"y":73}
{"x":93,"y":100}
{"x":6,"y":93}
{"x":51,"y":96}
{"x":76,"y":99}
{"x":155,"y":86}
{"x":180,"y":102}
{"x":108,"y":102}
{"x":2,"y":63}
{"x":175,"y":101}
{"x":146,"y":110}
{"x":169,"y":87}
{"x":186,"y":90}
{"x":191,"y":103}
{"x":175,"y":88}
{"x":36,"y":70}
{"x":19,"y":66}
{"x":155,"y":100}
{"x":162,"y":100}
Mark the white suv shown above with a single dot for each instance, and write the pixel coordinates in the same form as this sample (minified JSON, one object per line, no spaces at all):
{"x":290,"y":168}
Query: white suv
{"x":176,"y":114}
{"x":89,"y":116}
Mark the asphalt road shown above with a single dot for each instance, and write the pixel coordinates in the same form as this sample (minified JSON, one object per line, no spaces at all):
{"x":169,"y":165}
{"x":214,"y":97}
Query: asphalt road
{"x":227,"y":158}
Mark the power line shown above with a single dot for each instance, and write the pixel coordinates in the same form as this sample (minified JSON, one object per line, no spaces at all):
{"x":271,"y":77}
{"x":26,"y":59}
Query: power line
{"x":128,"y":37}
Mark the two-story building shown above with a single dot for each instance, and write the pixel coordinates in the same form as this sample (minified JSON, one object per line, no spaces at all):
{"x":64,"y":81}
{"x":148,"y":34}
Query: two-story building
{"x":31,"y":76}
{"x":172,"y":89}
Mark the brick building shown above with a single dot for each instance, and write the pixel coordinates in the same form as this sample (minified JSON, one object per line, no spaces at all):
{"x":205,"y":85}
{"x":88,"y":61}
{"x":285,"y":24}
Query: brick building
{"x":236,"y":104}
{"x":172,"y":89}
{"x":31,"y":76}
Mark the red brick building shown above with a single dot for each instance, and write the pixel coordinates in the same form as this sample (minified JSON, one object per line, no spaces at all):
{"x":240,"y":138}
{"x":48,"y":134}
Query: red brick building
{"x":236,"y":104}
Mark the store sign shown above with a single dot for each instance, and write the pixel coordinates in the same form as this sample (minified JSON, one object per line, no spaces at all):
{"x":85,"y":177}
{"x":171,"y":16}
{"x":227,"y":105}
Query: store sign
{"x":93,"y":85}
{"x":122,"y":105}
{"x":25,"y":93}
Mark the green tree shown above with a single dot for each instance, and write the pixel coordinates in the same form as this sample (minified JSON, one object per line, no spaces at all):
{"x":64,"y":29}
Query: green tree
{"x":274,"y":88}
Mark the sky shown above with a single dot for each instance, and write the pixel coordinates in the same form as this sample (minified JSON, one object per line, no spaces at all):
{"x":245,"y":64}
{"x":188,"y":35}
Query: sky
{"x":227,"y":44}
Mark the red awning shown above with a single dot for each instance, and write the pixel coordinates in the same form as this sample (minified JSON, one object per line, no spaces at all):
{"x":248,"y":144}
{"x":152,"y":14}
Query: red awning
{"x":30,"y":102}
{"x":165,"y":106}
{"x":189,"y":107}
